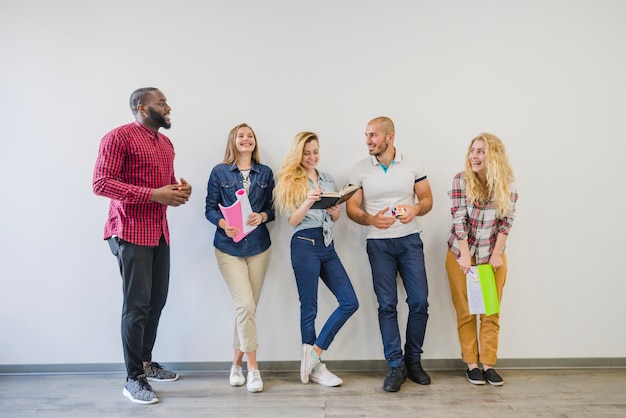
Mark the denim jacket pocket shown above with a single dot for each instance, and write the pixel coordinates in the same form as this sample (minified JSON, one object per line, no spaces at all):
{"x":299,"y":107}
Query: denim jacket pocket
{"x":258,"y":190}
{"x":228,"y":184}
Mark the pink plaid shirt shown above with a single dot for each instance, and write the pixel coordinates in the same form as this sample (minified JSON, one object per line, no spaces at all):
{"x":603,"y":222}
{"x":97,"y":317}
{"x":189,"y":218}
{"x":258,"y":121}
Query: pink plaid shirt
{"x":477,"y":222}
{"x":132,"y":161}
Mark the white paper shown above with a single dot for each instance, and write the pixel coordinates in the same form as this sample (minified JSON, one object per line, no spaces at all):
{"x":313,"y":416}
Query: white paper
{"x":475,"y":299}
{"x":246,"y":210}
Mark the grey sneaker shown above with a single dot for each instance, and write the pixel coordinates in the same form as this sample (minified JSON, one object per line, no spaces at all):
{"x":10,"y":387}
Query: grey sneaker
{"x":155,"y":372}
{"x":139,"y":391}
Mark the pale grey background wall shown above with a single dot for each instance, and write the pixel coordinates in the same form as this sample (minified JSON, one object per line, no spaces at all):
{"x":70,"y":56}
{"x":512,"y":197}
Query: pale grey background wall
{"x":546,"y":76}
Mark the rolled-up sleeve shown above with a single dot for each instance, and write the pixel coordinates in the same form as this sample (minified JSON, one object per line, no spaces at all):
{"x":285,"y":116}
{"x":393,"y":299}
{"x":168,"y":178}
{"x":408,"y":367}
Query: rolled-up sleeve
{"x":506,"y":222}
{"x":458,"y":207}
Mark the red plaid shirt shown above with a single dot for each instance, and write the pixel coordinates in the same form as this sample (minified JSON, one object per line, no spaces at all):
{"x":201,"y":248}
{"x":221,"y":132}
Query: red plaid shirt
{"x":132,"y":161}
{"x":477,"y":223}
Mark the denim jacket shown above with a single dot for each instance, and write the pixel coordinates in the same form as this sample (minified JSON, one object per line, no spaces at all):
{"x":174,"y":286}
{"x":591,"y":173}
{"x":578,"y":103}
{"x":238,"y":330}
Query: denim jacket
{"x":224,"y":181}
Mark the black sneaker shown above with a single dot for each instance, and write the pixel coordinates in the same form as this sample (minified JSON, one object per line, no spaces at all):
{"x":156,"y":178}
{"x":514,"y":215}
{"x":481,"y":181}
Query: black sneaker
{"x":493,"y":378}
{"x":139,"y":391}
{"x":475,"y":376}
{"x":416,"y":373}
{"x":395,"y":378}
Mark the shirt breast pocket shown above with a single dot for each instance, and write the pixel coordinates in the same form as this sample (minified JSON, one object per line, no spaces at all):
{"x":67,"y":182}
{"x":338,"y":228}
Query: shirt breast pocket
{"x":228,"y":186}
{"x":258,"y":189}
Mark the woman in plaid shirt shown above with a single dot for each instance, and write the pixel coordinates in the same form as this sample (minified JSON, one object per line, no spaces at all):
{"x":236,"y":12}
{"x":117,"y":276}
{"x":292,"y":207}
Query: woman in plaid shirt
{"x":483,"y":207}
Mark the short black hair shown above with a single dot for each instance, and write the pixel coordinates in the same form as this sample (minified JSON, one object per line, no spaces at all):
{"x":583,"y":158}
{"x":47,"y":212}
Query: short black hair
{"x":139,"y":96}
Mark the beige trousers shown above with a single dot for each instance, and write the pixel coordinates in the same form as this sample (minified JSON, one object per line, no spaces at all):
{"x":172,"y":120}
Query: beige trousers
{"x":244,"y":278}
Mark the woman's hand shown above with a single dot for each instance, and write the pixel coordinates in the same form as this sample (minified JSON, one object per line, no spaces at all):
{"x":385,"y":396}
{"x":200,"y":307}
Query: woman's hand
{"x":254,"y":219}
{"x":496,"y":261}
{"x":465,"y":262}
{"x":334,"y":212}
{"x":312,"y":196}
{"x":231,"y":231}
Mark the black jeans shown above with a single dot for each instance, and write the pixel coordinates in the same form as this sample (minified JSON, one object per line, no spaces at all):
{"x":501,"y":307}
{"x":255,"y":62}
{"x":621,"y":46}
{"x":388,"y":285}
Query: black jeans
{"x":145,"y":281}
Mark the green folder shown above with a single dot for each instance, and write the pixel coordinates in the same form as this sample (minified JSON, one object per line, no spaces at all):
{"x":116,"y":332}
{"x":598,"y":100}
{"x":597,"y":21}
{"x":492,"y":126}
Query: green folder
{"x":488,"y":286}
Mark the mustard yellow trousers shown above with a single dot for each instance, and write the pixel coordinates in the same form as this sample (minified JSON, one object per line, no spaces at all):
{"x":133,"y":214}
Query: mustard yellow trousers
{"x":479,"y":341}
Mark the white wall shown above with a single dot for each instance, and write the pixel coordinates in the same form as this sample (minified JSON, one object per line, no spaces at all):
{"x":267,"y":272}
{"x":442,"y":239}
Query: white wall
{"x":546,"y":76}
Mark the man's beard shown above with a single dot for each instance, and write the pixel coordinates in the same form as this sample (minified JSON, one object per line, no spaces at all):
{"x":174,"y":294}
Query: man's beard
{"x":378,"y":152}
{"x":158,"y":118}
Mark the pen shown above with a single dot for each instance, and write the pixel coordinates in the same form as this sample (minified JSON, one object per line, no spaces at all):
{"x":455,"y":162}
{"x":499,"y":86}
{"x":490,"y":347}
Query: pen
{"x":470,"y":271}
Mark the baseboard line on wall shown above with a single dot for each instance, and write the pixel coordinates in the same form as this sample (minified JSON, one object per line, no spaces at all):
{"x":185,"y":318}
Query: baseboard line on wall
{"x":337,"y":365}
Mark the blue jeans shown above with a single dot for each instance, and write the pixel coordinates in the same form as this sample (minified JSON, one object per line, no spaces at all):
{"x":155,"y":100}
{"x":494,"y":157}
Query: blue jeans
{"x":311,"y":260}
{"x":388,"y":257}
{"x":145,"y":282}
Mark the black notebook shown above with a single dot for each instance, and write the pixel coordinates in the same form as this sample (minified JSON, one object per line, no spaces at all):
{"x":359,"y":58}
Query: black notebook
{"x":329,"y":199}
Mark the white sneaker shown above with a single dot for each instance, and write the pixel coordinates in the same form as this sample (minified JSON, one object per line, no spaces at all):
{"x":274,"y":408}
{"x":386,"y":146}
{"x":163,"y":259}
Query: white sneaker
{"x":255,"y":383}
{"x":324,"y":377}
{"x":308,"y":362}
{"x":236,"y":376}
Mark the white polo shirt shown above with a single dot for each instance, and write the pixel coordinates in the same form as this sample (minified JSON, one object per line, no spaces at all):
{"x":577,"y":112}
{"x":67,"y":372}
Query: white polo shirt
{"x":390,"y":187}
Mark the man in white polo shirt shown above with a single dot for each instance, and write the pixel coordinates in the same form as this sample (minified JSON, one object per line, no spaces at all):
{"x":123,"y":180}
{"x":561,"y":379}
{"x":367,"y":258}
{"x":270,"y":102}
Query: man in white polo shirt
{"x":395,"y":191}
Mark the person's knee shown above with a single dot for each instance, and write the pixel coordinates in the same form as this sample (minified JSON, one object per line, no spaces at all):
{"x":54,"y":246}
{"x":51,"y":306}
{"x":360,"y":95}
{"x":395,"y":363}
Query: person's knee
{"x":355,"y":306}
{"x":350,"y":307}
{"x":135,"y":316}
{"x":387,"y":300}
{"x":419,"y":305}
{"x":387,"y":309}
{"x":247,"y":309}
{"x":466,"y":320}
{"x":491,"y":321}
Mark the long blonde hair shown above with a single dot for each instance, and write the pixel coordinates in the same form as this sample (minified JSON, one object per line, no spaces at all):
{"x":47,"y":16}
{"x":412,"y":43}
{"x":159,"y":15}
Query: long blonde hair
{"x":499,"y":173}
{"x":292,"y":185}
{"x":231,"y":153}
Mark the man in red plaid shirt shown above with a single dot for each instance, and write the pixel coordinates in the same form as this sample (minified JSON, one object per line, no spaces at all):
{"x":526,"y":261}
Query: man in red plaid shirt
{"x":135,"y":169}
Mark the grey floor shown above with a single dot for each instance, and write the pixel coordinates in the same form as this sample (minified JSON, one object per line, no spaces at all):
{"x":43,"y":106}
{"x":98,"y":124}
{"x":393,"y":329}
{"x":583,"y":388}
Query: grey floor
{"x":526,"y":393}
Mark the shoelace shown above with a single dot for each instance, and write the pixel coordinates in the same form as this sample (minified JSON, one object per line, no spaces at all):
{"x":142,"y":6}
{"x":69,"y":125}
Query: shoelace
{"x":395,"y":371}
{"x":154,"y":366}
{"x":143,"y":383}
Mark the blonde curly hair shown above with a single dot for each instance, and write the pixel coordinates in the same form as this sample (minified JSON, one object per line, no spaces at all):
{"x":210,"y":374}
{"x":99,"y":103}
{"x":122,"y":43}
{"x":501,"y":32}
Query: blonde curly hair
{"x":499,"y":173}
{"x":292,"y":184}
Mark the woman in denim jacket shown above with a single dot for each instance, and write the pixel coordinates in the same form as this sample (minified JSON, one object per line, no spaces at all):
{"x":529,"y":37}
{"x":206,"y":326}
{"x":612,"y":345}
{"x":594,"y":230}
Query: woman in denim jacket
{"x":313,"y":255}
{"x":243,"y":264}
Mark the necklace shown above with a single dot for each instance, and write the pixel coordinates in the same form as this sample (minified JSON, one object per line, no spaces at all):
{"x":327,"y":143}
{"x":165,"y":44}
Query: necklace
{"x":246,"y":179}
